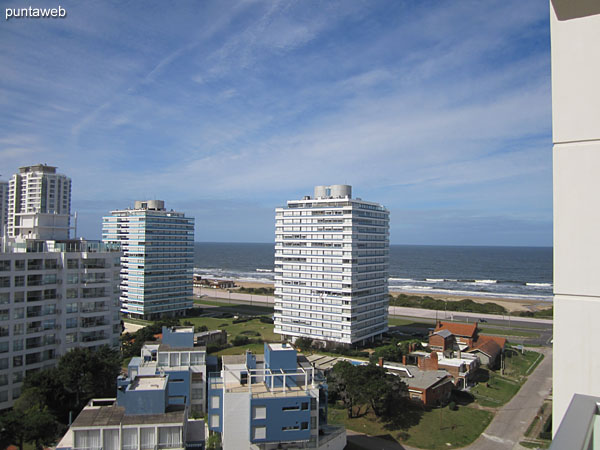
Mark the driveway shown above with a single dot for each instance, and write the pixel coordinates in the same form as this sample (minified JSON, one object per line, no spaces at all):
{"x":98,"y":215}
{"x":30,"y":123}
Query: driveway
{"x":511,"y":421}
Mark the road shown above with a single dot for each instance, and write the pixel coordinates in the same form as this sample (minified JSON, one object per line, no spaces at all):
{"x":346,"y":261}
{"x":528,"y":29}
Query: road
{"x":511,"y":421}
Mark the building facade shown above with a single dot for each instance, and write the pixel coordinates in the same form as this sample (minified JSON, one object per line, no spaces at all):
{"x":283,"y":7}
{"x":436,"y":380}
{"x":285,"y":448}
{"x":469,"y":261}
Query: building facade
{"x":39,"y":203}
{"x":158,"y":259}
{"x":331,"y":267}
{"x":140,"y":418}
{"x":54,"y":296}
{"x":575,"y":33}
{"x":176,"y":355}
{"x":3,"y":206}
{"x":277,"y":401}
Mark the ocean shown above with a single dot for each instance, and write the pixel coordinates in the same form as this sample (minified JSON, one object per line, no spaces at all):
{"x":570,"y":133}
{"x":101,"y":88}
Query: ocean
{"x":494,"y":272}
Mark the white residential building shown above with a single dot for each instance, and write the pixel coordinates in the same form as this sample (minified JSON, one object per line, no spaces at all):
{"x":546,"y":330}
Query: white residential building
{"x":575,"y":34}
{"x":331,"y":267}
{"x":39,"y":203}
{"x":54,"y":296}
{"x":3,"y":205}
{"x":158,"y":258}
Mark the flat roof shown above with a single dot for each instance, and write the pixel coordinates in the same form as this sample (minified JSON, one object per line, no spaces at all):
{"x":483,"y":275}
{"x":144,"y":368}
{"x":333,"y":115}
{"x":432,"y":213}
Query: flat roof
{"x":277,"y":346}
{"x":112,"y":415}
{"x":148,"y":383}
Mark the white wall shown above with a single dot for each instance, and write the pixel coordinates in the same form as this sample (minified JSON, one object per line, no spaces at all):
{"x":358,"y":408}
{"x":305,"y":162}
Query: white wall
{"x":575,"y":29}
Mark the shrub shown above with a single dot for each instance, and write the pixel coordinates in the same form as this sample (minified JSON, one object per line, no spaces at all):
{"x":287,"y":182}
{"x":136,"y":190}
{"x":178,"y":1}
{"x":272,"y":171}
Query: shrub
{"x":452,"y":405}
{"x":265,"y":319}
{"x":240,"y":340}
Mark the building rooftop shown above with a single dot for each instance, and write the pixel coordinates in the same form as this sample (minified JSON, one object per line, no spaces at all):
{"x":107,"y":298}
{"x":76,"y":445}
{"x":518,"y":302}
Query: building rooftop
{"x":111,"y":415}
{"x":443,"y":333}
{"x":148,"y":383}
{"x":458,"y":329}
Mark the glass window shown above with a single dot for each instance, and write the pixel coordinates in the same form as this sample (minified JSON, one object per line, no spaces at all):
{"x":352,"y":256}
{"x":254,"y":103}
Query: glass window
{"x":20,"y":280}
{"x":3,"y":347}
{"x":20,"y":264}
{"x":215,"y":402}
{"x":19,"y":296}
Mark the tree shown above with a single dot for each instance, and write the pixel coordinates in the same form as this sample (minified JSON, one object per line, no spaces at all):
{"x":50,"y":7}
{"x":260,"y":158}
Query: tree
{"x":29,"y":421}
{"x":86,"y":374}
{"x":304,"y":343}
{"x":365,"y":385}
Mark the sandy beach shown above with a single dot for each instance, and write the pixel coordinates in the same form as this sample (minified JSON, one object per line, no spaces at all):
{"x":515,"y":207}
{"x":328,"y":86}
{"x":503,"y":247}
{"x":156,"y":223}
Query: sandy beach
{"x":510,"y":304}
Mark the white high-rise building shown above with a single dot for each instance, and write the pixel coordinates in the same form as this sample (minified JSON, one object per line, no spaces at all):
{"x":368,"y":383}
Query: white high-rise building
{"x":331,"y":267}
{"x":39,"y":203}
{"x":575,"y":33}
{"x":3,"y":205}
{"x":158,"y":260}
{"x":55,"y":293}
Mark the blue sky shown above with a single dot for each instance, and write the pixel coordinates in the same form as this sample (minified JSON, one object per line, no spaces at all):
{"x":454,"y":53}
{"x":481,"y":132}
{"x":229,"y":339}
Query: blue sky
{"x":441,"y":111}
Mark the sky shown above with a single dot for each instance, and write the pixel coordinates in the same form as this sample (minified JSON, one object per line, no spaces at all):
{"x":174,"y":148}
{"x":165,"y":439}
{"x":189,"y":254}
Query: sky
{"x":440,"y":111}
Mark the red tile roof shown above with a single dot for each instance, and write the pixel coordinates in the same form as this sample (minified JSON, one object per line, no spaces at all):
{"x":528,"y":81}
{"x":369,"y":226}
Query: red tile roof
{"x":458,"y":329}
{"x":490,"y":345}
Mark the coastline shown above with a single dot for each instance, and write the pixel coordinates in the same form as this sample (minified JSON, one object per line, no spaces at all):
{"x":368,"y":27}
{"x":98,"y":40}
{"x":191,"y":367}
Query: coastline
{"x":511,"y":304}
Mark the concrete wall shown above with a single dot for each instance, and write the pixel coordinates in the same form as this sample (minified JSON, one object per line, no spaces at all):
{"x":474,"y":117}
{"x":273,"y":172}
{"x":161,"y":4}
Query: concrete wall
{"x":277,"y":418}
{"x":575,"y":30}
{"x":236,"y":416}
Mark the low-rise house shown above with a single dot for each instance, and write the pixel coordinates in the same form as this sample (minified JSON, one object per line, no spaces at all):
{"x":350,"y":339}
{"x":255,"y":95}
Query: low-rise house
{"x":275,"y":401}
{"x":428,"y":387}
{"x":141,"y":417}
{"x":185,"y":363}
{"x":461,"y":366}
{"x":464,"y":333}
{"x":211,"y":337}
{"x":489,"y":349}
{"x":442,"y":340}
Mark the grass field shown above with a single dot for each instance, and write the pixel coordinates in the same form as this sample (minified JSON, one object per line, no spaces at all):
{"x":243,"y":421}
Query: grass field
{"x":496,"y":391}
{"x":435,"y":429}
{"x":235,"y":329}
{"x":508,"y":332}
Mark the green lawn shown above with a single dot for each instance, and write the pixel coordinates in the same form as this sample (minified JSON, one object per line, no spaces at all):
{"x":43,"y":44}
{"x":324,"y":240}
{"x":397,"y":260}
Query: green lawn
{"x":508,"y":332}
{"x":435,"y":429}
{"x":234,"y":329}
{"x":413,"y":322}
{"x":496,"y":391}
{"x":518,"y":365}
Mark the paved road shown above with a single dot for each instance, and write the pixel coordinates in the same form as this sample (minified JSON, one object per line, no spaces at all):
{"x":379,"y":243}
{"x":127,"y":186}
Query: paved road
{"x":511,"y":421}
{"x":393,"y":310}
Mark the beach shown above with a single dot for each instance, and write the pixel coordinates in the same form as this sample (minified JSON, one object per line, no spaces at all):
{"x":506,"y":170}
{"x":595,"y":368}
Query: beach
{"x":511,"y":305}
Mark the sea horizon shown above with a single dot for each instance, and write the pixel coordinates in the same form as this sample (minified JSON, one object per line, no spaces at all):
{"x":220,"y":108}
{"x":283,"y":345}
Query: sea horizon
{"x":514,"y":272}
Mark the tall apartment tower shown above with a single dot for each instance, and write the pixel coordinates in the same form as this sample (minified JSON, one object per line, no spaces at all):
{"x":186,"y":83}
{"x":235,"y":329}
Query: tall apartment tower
{"x":575,"y":33}
{"x":331,"y":267}
{"x":158,"y":258}
{"x":39,"y":203}
{"x":3,"y":205}
{"x":55,"y":293}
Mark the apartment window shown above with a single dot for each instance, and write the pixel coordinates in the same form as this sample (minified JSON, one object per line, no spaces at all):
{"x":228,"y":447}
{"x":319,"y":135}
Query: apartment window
{"x":72,"y":264}
{"x":71,"y":322}
{"x":291,"y":428}
{"x":304,"y":426}
{"x":3,"y":396}
{"x":19,"y":280}
{"x":5,"y":265}
{"x":18,"y":328}
{"x":3,"y":331}
{"x":16,"y":393}
{"x":17,"y":345}
{"x":290,"y":408}
{"x":4,"y":314}
{"x":4,"y":298}
{"x":4,"y":282}
{"x":259,"y":433}
{"x":72,"y":307}
{"x":3,"y":363}
{"x":259,"y":412}
{"x":196,"y":394}
{"x":215,"y":402}
{"x":17,"y":377}
{"x":3,"y":379}
{"x":19,"y":297}
{"x":72,"y":293}
{"x":20,"y":264}
{"x":214,"y":421}
{"x":3,"y":347}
